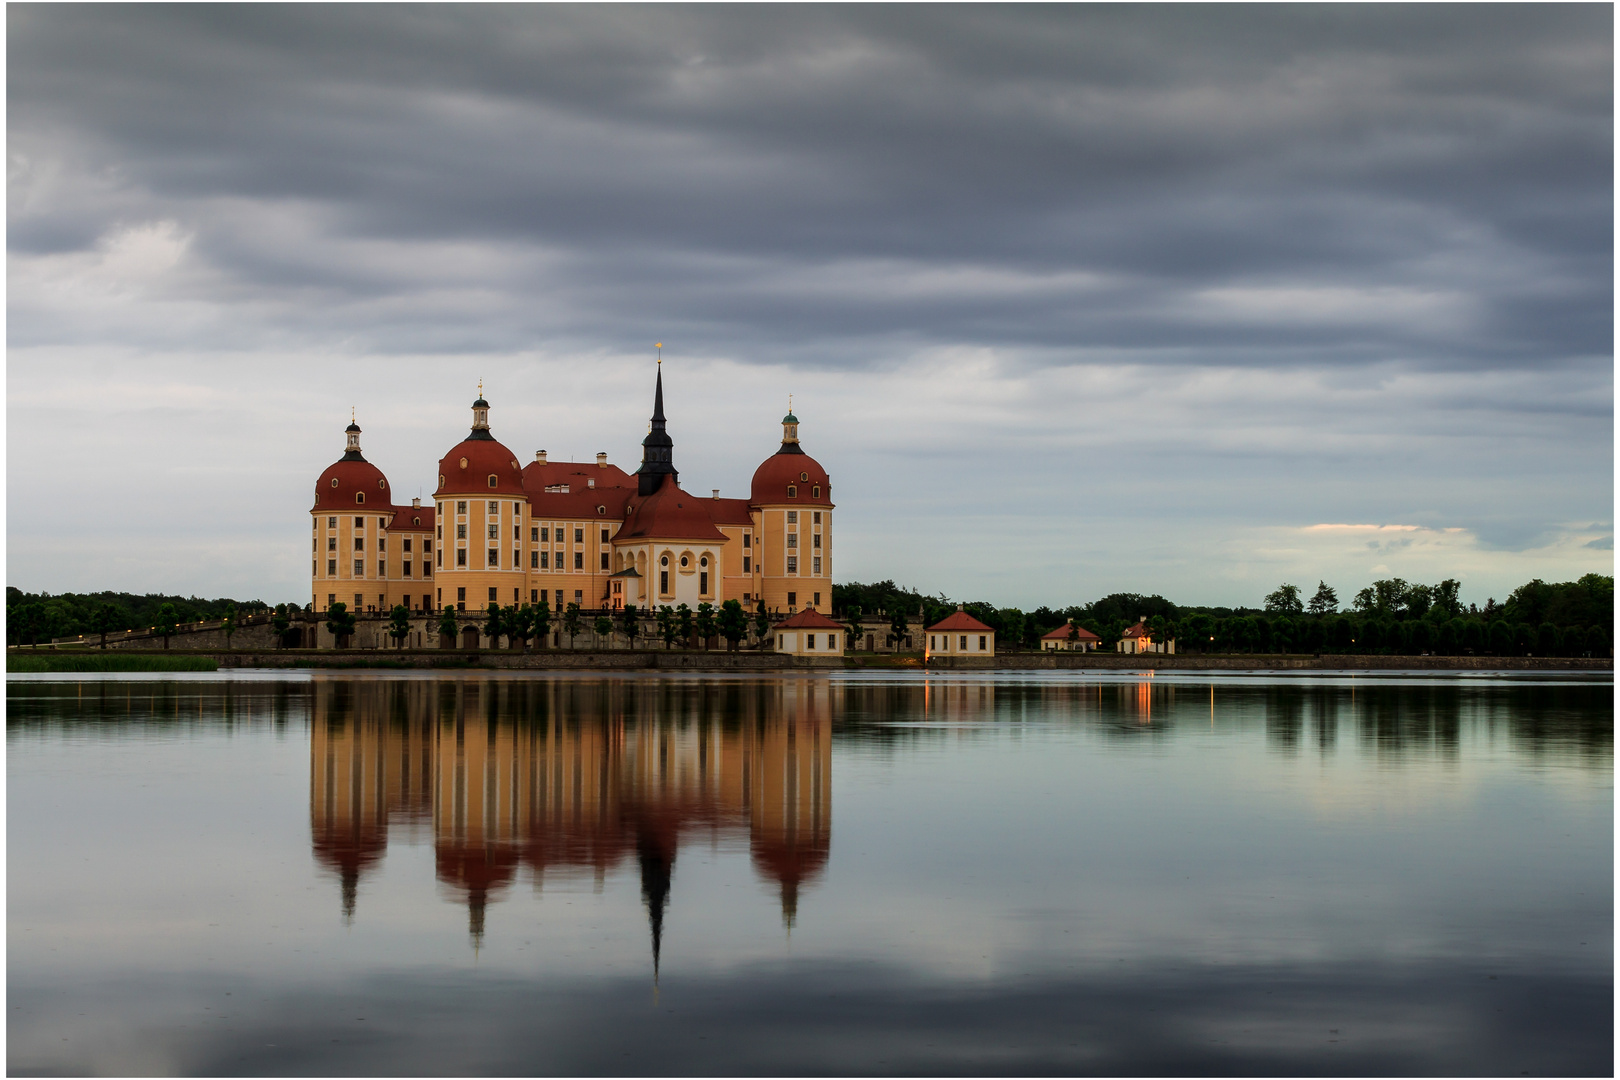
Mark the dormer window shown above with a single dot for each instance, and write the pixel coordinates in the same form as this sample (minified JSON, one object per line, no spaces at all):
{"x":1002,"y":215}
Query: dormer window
{"x":793,"y":492}
{"x":492,"y":480}
{"x":815,"y":492}
{"x":359,"y":496}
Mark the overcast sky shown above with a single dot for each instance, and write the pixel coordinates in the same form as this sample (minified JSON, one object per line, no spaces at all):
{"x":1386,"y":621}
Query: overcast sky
{"x":1070,"y":300}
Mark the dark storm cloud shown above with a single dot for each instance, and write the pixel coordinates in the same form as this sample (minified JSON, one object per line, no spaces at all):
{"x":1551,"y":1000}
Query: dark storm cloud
{"x":1209,"y":185}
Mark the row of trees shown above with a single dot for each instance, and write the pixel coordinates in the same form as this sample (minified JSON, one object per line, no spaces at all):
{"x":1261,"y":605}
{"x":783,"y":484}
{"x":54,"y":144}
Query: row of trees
{"x":518,"y":624}
{"x":37,"y":617}
{"x":1389,"y":616}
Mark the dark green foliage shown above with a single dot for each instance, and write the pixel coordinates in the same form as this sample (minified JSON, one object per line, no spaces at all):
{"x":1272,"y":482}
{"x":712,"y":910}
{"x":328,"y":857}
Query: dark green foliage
{"x":733,"y":622}
{"x":885,"y":596}
{"x":494,"y":624}
{"x":704,"y":623}
{"x":898,"y":626}
{"x":572,"y":624}
{"x":540,"y":621}
{"x":447,"y":622}
{"x":604,"y":628}
{"x":399,"y":624}
{"x":853,"y":614}
{"x":70,"y":614}
{"x":1325,"y":602}
{"x":762,"y":621}
{"x":1285,"y":601}
{"x":630,"y":623}
{"x":683,"y":624}
{"x":666,"y":624}
{"x":166,"y":622}
{"x":340,"y":620}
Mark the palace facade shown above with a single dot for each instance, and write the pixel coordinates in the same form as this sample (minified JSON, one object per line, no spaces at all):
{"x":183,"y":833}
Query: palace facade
{"x":567,"y":532}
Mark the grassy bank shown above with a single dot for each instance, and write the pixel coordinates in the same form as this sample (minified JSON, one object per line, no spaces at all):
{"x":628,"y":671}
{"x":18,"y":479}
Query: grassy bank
{"x":70,"y":662}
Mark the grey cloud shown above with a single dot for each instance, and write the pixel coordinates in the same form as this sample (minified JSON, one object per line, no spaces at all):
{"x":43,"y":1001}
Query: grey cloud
{"x":678,"y":163}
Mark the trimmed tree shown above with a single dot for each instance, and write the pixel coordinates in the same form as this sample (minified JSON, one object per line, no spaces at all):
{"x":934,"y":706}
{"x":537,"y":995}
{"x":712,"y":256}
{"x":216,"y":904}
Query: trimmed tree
{"x":898,"y":627}
{"x":228,"y":625}
{"x":280,"y":622}
{"x":733,"y":623}
{"x":704,"y":623}
{"x":604,"y":629}
{"x":522,"y":625}
{"x":340,"y":621}
{"x":167,"y":619}
{"x":630,"y":624}
{"x":666,"y":625}
{"x":494,"y":624}
{"x":855,"y":631}
{"x":399,"y":625}
{"x":683,"y":625}
{"x":540,"y":619}
{"x":571,"y":623}
{"x":107,"y":618}
{"x":447,"y":627}
{"x":762,"y":621}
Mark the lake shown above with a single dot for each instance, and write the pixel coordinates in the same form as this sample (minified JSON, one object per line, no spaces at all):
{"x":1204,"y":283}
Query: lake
{"x":490,"y":873}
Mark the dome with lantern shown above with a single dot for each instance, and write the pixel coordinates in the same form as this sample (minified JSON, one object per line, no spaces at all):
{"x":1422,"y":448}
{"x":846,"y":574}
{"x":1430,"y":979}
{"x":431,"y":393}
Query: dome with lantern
{"x":479,"y":465}
{"x":351,"y":480}
{"x":790,"y":476}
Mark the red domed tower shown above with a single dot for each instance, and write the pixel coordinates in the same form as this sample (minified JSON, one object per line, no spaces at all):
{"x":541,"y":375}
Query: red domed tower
{"x":791,"y":500}
{"x":353,"y":508}
{"x":483,"y":510}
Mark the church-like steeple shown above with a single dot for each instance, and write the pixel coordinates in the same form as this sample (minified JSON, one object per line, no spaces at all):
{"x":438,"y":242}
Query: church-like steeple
{"x":657,"y":449}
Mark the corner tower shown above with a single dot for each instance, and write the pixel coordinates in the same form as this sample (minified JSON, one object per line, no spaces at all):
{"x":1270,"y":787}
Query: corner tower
{"x":481,"y":513}
{"x":352,"y":508}
{"x":791,"y":503}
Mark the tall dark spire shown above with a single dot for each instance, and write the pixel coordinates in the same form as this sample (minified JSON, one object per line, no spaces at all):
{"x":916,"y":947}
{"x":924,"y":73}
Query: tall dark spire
{"x":657,"y":449}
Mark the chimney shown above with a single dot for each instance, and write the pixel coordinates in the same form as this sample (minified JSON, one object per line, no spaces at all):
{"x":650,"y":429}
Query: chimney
{"x":540,"y":456}
{"x":716,"y":492}
{"x":416,"y":504}
{"x":601,"y":461}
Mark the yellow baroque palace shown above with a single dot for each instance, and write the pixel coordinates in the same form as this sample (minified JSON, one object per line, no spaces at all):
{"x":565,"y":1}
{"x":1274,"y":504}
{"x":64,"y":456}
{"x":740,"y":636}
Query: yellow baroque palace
{"x":567,"y":532}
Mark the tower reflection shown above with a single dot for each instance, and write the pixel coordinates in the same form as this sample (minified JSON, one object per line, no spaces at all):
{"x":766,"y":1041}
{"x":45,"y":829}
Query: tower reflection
{"x":570,"y":775}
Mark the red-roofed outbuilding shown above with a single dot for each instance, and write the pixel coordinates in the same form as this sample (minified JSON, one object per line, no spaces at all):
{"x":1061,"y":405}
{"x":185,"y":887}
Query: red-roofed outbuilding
{"x":960,"y":634}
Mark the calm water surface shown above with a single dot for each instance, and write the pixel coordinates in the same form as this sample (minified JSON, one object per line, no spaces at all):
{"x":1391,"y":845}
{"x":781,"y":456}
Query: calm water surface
{"x":498,"y":874}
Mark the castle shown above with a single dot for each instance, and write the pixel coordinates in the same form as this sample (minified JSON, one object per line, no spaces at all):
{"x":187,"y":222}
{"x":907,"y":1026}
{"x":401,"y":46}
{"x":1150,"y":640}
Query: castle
{"x":571,"y":532}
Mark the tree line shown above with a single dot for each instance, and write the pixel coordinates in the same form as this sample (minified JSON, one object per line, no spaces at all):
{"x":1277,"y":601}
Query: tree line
{"x":37,"y":617}
{"x":1390,"y":616}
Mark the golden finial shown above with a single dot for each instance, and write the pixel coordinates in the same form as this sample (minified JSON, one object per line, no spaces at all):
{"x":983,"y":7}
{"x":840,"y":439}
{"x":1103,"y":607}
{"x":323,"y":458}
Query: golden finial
{"x":480,"y":387}
{"x":351,"y":414}
{"x":660,"y":348}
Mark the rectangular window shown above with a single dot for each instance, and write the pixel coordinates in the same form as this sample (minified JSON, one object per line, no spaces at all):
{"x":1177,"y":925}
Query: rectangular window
{"x":931,"y":642}
{"x":494,"y":558}
{"x":331,"y":598}
{"x":746,"y":561}
{"x":810,"y":641}
{"x":359,"y":523}
{"x":816,"y":564}
{"x":331,"y":543}
{"x":359,"y":543}
{"x":703,"y":582}
{"x":793,"y":565}
{"x":382,"y":543}
{"x":579,"y":536}
{"x":461,"y":531}
{"x":407,"y":543}
{"x":818,"y":517}
{"x":579,"y":560}
{"x":441,"y":558}
{"x":492,"y":588}
{"x":407,"y":567}
{"x":493,"y":535}
{"x":815,"y":541}
{"x":534,"y":534}
{"x":382,"y":569}
{"x":534,"y":596}
{"x":604,"y":536}
{"x":663,"y":583}
{"x":382,"y":523}
{"x":461,"y":556}
{"x":604,"y":560}
{"x":331,"y":523}
{"x":461,"y":599}
{"x":981,"y":642}
{"x":461,"y":508}
{"x":545,"y":560}
{"x":817,"y":601}
{"x":438,"y":530}
{"x":558,"y":595}
{"x":331,"y":568}
{"x":517,"y":532}
{"x":962,"y":643}
{"x":427,"y":546}
{"x":517,"y":510}
{"x":579,"y":595}
{"x":793,"y":600}
{"x":427,"y":571}
{"x":494,"y":511}
{"x":534,"y":560}
{"x":545,"y":536}
{"x":747,"y":541}
{"x":793,"y":540}
{"x":359,"y":568}
{"x":793,"y":517}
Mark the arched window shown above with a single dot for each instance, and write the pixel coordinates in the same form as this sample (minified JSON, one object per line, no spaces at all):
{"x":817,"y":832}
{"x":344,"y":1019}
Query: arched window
{"x":359,"y":496}
{"x":493,"y":480}
{"x":815,"y":492}
{"x":793,"y":492}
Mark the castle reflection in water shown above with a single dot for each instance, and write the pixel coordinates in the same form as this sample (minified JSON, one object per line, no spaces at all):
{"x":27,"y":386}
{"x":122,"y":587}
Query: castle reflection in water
{"x":570,"y":775}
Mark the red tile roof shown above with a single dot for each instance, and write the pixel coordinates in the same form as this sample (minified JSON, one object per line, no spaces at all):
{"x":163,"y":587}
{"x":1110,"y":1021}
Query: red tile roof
{"x":808,"y":619}
{"x":1062,"y":634}
{"x":412,"y":519}
{"x":343,"y":480}
{"x":959,"y":620}
{"x":484,"y":458}
{"x":785,"y":469}
{"x":669,"y":514}
{"x":1139,"y":630}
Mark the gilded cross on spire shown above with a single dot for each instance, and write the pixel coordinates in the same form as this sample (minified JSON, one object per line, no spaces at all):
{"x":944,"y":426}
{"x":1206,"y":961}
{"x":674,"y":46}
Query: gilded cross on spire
{"x":660,"y":348}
